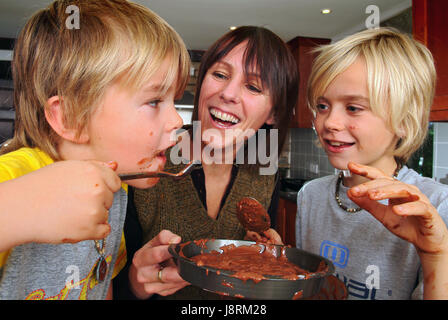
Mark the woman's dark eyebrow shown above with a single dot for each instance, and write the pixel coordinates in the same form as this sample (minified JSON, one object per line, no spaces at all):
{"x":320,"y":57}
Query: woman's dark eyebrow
{"x":228,"y":65}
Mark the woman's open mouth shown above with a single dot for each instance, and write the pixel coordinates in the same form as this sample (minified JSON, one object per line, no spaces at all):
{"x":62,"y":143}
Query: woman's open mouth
{"x":223,"y":119}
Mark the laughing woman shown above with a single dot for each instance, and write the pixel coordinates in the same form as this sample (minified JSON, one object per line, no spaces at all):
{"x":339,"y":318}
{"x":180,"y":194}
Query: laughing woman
{"x":247,"y":81}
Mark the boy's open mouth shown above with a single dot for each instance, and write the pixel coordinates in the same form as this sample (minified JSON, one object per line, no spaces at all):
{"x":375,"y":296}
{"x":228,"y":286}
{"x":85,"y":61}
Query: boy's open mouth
{"x":223,"y":118}
{"x":338,"y":145}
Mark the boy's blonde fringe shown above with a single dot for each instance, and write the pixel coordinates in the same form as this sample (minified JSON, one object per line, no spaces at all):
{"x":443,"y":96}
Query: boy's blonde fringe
{"x":117,"y":41}
{"x":401,"y":80}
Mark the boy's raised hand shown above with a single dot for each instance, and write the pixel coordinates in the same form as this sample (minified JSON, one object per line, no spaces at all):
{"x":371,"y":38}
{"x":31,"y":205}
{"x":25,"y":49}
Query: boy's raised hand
{"x":67,"y":201}
{"x":409,"y":214}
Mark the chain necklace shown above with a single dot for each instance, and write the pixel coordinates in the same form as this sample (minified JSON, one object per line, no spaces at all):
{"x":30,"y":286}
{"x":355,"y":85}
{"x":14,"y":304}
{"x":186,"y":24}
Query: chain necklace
{"x":338,"y":199}
{"x":101,"y":265}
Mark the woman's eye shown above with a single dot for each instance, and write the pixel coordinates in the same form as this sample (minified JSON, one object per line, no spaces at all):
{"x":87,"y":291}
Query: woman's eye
{"x":219,"y":75}
{"x":254,"y":88}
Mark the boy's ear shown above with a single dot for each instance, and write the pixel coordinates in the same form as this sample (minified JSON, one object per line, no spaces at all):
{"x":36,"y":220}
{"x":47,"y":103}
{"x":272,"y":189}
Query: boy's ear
{"x":401,"y":133}
{"x":55,"y":117}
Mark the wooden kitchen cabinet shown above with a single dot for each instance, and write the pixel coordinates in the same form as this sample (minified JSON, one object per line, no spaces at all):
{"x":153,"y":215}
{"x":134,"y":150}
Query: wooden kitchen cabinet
{"x":286,"y":221}
{"x":430,"y":27}
{"x":301,"y":49}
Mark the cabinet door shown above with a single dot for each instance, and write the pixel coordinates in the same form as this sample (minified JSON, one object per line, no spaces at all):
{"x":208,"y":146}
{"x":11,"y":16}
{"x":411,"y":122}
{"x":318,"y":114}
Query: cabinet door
{"x":301,"y":48}
{"x":290,"y":223}
{"x":281,"y":218}
{"x":430,"y":27}
{"x":286,"y":221}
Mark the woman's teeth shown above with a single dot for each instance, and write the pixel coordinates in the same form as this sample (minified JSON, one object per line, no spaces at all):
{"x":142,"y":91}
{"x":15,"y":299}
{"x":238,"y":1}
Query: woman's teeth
{"x":224,"y":116}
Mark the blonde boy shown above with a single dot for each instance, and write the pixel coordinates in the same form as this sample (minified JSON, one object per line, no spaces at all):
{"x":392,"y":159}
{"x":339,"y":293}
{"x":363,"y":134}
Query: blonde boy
{"x":90,"y":103}
{"x":371,"y":94}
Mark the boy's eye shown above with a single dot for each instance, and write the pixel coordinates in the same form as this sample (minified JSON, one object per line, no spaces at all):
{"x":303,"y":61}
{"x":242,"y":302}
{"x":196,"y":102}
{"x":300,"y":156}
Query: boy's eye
{"x":321,"y":107}
{"x":353,"y":109}
{"x":154,"y":103}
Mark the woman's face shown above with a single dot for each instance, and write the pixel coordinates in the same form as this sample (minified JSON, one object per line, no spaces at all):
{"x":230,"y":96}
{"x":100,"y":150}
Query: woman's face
{"x":232,"y":103}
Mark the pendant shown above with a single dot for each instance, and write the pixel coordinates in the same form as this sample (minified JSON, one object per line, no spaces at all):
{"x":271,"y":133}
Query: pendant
{"x":101,"y":269}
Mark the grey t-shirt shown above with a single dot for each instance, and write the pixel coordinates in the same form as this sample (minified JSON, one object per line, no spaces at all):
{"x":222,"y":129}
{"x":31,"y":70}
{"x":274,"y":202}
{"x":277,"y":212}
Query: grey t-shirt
{"x":373,"y":263}
{"x":63,"y":271}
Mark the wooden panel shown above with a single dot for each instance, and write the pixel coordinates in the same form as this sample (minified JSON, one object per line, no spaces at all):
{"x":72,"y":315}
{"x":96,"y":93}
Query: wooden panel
{"x":301,"y":48}
{"x":286,"y":221}
{"x":281,"y":218}
{"x":290,"y":223}
{"x":430,"y":27}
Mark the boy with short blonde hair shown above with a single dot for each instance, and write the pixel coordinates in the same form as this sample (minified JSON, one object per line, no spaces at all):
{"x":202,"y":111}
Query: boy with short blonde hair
{"x":371,"y":95}
{"x":90,"y":103}
{"x":401,"y":81}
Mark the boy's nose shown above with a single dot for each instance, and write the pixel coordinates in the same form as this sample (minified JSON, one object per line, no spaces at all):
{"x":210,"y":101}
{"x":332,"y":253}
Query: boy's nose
{"x":174,"y":121}
{"x":334,"y":121}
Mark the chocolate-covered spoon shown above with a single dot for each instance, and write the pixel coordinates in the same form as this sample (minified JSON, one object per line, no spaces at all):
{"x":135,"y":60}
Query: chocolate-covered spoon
{"x":252,"y":215}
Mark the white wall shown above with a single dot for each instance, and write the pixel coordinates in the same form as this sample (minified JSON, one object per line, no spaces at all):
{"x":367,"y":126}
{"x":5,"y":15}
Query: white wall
{"x":185,"y":112}
{"x":440,"y":155}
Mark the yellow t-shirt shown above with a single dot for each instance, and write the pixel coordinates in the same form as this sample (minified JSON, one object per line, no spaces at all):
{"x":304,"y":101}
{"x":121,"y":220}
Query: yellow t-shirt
{"x":26,"y":160}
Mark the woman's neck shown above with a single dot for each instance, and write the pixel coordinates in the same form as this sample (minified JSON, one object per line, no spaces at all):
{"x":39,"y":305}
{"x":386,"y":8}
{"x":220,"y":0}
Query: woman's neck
{"x":216,"y":169}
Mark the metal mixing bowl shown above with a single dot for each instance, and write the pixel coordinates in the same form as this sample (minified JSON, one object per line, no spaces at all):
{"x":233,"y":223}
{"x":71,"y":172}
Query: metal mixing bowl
{"x":222,"y":282}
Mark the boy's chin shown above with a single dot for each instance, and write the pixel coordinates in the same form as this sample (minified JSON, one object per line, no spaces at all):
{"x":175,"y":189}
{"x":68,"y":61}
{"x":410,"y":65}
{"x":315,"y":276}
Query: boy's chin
{"x":339,"y":164}
{"x":143,"y":183}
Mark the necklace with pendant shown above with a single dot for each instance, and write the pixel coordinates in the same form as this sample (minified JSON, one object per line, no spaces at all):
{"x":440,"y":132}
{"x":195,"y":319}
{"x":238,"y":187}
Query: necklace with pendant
{"x":338,"y":199}
{"x":101,"y":265}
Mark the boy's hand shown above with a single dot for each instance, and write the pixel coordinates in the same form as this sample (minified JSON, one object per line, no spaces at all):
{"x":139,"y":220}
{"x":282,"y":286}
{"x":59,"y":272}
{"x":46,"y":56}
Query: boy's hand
{"x":409,"y":214}
{"x":67,"y":201}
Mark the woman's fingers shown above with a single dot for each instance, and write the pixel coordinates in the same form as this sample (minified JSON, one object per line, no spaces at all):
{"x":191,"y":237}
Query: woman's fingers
{"x":165,"y":237}
{"x":155,"y":251}
{"x":273,"y":236}
{"x":151,"y":255}
{"x":170,"y":275}
{"x":154,"y":267}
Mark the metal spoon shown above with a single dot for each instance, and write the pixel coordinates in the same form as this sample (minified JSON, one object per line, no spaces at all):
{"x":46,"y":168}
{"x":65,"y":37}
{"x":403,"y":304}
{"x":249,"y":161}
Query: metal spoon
{"x":161,"y":174}
{"x":252,"y":215}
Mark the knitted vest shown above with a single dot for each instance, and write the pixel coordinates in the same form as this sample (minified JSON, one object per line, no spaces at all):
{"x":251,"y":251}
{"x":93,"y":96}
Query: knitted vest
{"x":176,"y":206}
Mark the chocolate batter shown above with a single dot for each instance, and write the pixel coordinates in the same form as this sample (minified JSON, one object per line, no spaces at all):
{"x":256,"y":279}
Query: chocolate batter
{"x":249,"y":263}
{"x":252,"y":215}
